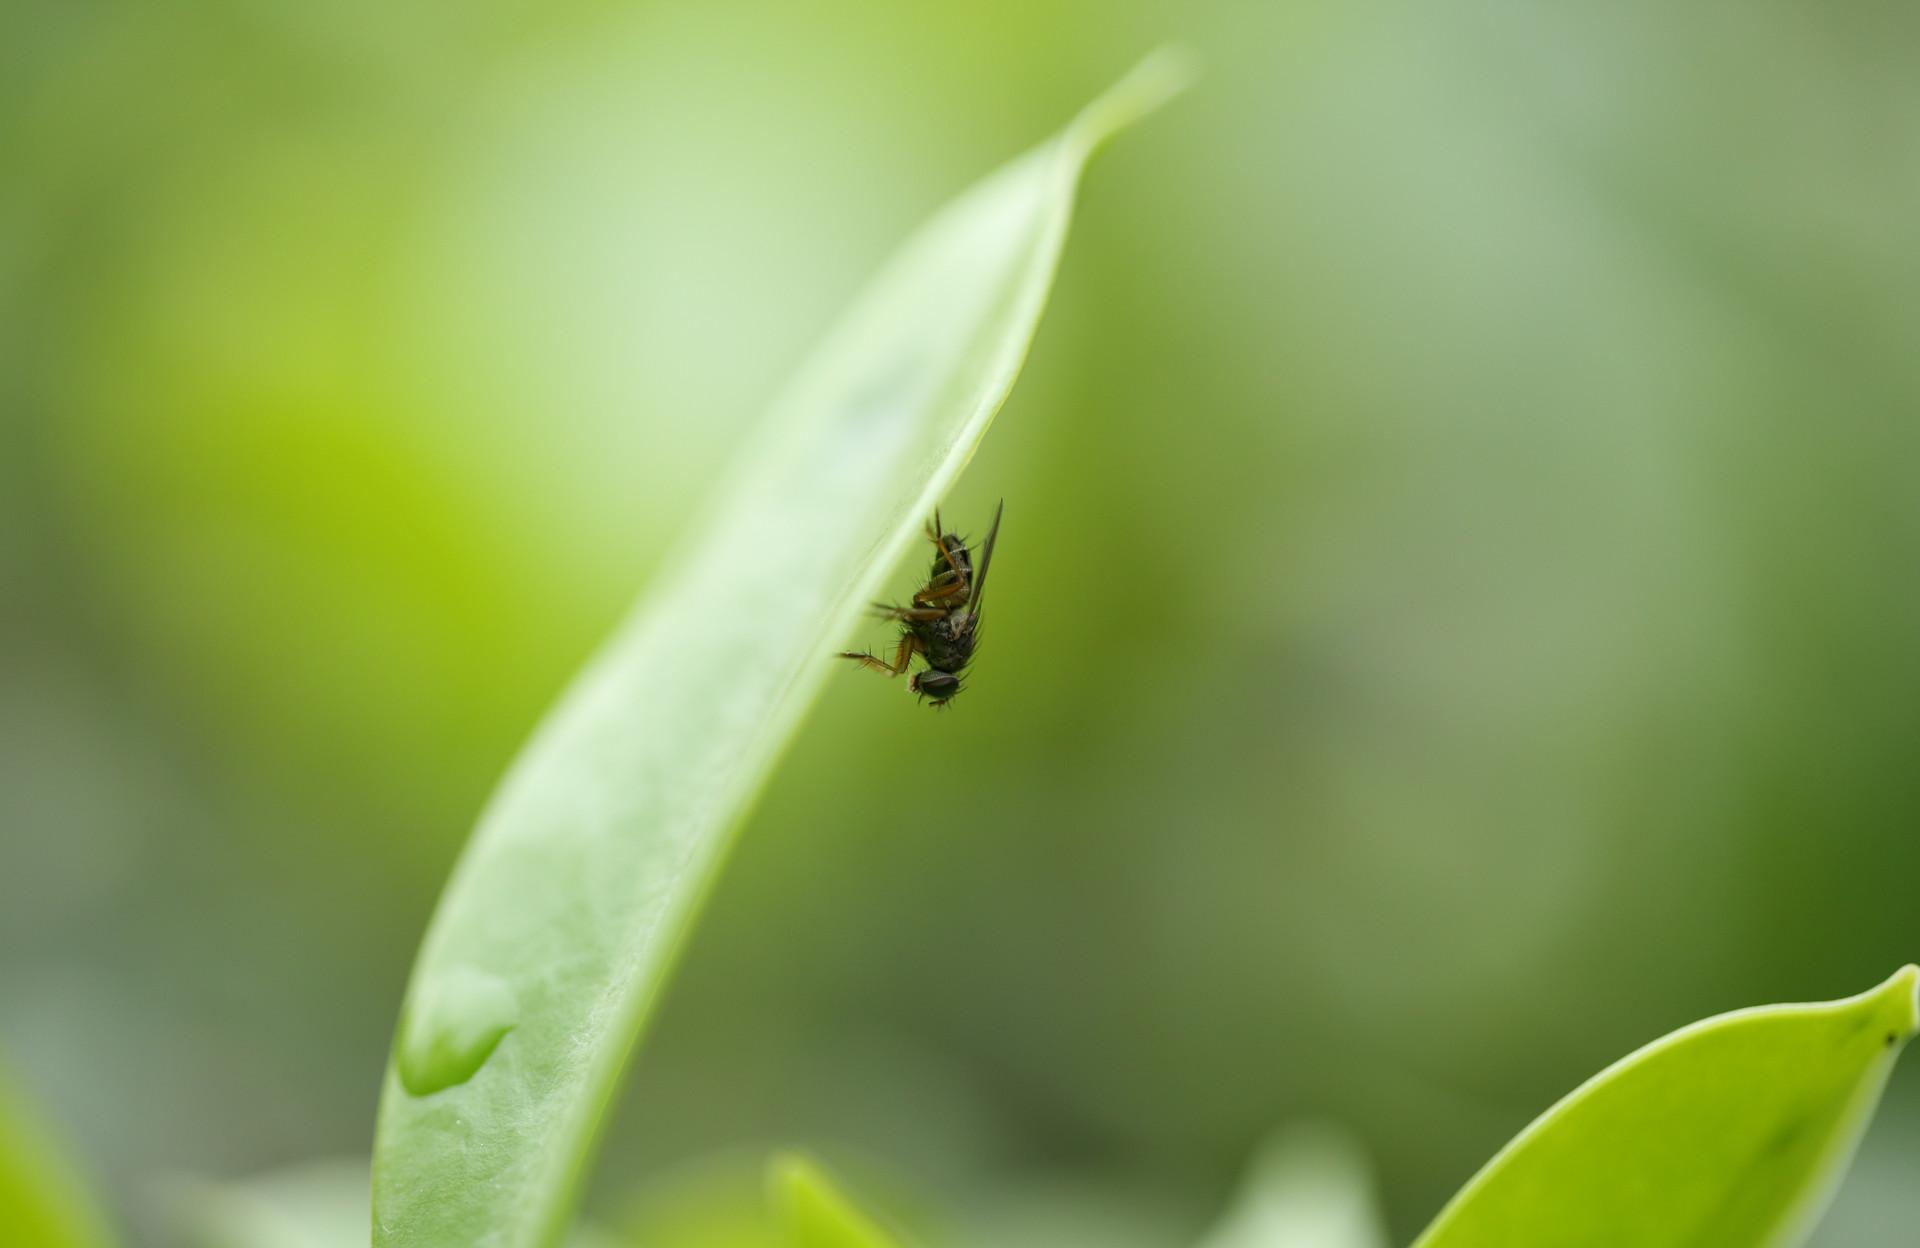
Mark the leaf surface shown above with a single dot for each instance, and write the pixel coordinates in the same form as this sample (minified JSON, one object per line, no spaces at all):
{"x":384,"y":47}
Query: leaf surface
{"x":552,"y":942}
{"x":1730,"y":1133}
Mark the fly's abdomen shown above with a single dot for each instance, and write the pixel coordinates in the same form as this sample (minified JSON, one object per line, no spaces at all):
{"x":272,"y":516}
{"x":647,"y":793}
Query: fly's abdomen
{"x":948,"y":645}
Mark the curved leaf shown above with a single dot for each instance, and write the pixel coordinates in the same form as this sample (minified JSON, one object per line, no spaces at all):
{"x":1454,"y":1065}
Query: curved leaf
{"x":553,"y":939}
{"x":814,"y":1213}
{"x":1732,"y":1132}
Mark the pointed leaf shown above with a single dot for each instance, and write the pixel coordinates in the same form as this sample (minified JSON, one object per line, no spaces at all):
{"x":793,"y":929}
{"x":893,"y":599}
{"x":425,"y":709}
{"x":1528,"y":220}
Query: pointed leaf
{"x":1732,"y":1132}
{"x":552,"y":942}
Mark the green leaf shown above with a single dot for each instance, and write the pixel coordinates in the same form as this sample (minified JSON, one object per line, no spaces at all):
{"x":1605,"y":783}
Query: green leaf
{"x":814,"y":1213}
{"x":42,"y":1201}
{"x":554,"y":938}
{"x":1310,"y":1188}
{"x":1733,"y":1132}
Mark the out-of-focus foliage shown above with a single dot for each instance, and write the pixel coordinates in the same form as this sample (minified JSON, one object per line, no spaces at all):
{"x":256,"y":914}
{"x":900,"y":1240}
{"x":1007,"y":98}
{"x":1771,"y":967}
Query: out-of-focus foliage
{"x":1734,"y":1131}
{"x":319,"y":1204}
{"x":1308,"y":1187}
{"x":41,"y":1201}
{"x":719,"y":1201}
{"x":1455,"y":618}
{"x":814,"y":1213}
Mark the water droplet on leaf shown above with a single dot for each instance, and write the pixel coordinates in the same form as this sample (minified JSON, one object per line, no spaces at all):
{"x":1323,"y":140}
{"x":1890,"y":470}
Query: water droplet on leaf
{"x":453,"y":1024}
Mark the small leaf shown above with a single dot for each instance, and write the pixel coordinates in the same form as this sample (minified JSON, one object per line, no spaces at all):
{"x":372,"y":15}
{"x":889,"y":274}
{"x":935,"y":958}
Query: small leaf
{"x":814,"y":1213}
{"x":42,"y":1202}
{"x":1732,"y":1132}
{"x":553,"y":940}
{"x":1308,"y":1188}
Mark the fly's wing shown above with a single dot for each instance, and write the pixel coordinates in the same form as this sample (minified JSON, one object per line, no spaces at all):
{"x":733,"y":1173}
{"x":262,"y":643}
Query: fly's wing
{"x":986,"y":562}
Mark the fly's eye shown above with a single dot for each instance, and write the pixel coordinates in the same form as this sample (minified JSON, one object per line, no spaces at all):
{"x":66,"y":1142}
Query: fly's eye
{"x":937,"y":684}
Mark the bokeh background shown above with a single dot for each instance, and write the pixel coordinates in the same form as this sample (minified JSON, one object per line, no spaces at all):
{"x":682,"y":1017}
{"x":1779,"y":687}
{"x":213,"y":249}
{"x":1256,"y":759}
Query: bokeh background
{"x":1458,"y":613}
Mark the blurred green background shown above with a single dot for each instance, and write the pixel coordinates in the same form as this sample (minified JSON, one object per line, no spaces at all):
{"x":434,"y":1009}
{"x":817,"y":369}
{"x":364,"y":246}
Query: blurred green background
{"x":1456,"y":617}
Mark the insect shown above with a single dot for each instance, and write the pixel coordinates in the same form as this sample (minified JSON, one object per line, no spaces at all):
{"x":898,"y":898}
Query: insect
{"x":942,"y":624}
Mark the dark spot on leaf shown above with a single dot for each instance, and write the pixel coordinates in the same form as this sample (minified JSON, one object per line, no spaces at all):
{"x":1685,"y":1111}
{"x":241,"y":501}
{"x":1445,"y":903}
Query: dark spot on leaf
{"x":1784,"y":1139}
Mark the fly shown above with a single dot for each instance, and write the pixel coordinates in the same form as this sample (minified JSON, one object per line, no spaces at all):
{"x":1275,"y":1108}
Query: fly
{"x":942,"y":624}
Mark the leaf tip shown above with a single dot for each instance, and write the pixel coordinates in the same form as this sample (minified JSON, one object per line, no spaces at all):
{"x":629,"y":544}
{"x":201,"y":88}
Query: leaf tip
{"x":793,"y":1184}
{"x":1162,"y":74}
{"x":1901,"y":992}
{"x":785,"y":1170}
{"x":813,"y":1211}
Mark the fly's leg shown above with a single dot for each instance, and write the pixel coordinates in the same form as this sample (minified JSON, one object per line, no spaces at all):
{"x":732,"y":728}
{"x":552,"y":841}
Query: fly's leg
{"x":947,"y":587}
{"x":916,"y":614}
{"x":909,"y":646}
{"x":950,"y":586}
{"x":867,"y":660}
